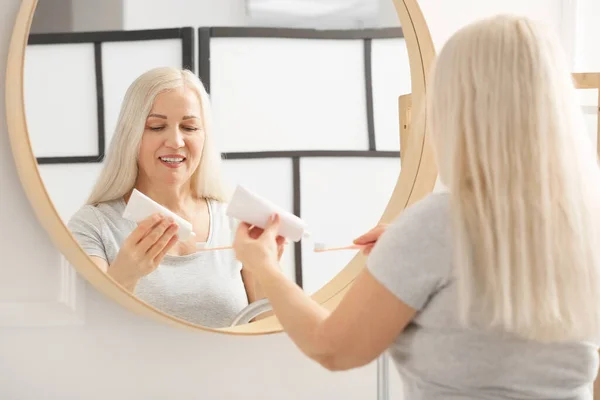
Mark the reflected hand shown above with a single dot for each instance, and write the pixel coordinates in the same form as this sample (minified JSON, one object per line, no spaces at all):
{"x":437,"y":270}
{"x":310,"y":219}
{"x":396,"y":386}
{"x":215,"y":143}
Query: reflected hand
{"x":143,"y":250}
{"x":370,"y":238}
{"x":255,"y":232}
{"x":258,"y":248}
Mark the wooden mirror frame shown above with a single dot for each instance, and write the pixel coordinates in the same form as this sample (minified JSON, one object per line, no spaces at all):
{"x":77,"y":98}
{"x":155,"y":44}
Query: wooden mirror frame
{"x":581,"y":80}
{"x":417,"y":177}
{"x":590,"y":80}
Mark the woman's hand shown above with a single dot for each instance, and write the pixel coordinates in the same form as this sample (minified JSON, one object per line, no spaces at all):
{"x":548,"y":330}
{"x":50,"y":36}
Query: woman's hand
{"x":256,"y":248}
{"x":370,"y":238}
{"x":143,"y":250}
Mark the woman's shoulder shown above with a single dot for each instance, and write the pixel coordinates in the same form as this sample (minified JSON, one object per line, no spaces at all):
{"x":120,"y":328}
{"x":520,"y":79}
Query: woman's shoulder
{"x":412,"y":258}
{"x":224,"y":226}
{"x":95,"y":215}
{"x":86,"y":214}
{"x":426,"y":221}
{"x":434,"y":207}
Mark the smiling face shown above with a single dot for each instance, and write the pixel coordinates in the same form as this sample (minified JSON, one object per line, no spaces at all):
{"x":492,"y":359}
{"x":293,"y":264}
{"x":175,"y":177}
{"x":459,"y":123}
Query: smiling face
{"x":173,"y":139}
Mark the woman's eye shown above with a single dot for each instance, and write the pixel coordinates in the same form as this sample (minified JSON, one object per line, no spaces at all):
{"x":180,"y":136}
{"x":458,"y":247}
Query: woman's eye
{"x":156,"y":128}
{"x":190,"y":128}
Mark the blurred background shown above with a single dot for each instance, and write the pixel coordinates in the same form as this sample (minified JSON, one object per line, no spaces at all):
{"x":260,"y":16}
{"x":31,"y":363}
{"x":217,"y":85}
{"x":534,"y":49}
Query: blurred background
{"x":305,"y":115}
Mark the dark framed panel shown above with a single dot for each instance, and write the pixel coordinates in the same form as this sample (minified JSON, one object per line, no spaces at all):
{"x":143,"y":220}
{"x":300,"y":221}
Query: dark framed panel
{"x":97,"y":38}
{"x":205,"y":35}
{"x":366,"y":35}
{"x":295,"y":156}
{"x":188,"y":55}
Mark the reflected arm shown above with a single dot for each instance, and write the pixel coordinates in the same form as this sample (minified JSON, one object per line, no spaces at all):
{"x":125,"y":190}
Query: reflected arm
{"x":597,"y":387}
{"x":254,"y":292}
{"x":253,"y":289}
{"x":103,"y":265}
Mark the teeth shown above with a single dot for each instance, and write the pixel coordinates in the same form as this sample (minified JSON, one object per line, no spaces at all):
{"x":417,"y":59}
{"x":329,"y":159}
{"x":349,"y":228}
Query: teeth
{"x":172,"y":160}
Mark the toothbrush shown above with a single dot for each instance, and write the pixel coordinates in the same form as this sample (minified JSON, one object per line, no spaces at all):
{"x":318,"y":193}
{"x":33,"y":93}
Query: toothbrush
{"x":217,"y":248}
{"x":320,"y":247}
{"x":199,"y":248}
{"x":214,"y":248}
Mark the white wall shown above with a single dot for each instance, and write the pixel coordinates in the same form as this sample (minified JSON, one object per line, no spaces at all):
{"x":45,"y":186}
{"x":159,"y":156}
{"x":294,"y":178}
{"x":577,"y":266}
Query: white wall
{"x":444,"y":17}
{"x":115,"y":354}
{"x":53,"y":16}
{"x":587,"y":55}
{"x":144,"y":14}
{"x":588,"y":33}
{"x":77,"y":15}
{"x":94,"y":15}
{"x":150,"y":14}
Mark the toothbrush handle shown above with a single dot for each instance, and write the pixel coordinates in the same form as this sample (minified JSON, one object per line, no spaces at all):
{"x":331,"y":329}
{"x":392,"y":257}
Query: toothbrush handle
{"x":351,"y":247}
{"x":215,"y":248}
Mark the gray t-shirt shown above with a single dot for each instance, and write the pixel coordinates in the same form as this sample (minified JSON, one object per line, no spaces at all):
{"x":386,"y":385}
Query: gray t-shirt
{"x":204,"y":288}
{"x":438,"y":358}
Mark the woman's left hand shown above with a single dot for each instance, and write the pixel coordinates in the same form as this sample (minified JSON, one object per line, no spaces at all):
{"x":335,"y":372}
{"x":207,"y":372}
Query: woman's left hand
{"x":258,"y":248}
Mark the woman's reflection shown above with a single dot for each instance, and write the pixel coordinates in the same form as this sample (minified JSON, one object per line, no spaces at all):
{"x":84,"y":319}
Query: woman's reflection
{"x":163,"y":146}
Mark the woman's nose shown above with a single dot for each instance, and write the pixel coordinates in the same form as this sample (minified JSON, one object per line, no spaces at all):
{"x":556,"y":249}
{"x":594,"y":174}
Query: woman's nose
{"x":175,"y":139}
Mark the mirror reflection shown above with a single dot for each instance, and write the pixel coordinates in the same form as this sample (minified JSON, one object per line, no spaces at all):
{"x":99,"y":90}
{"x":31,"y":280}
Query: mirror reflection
{"x":307,"y":119}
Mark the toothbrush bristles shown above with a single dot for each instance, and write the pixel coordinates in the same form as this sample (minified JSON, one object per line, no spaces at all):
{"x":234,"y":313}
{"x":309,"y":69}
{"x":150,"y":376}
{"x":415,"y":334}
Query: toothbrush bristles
{"x":319,"y":246}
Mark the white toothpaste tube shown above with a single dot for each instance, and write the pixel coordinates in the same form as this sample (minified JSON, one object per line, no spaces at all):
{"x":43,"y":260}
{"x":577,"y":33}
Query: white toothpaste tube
{"x":140,"y":207}
{"x":251,"y":208}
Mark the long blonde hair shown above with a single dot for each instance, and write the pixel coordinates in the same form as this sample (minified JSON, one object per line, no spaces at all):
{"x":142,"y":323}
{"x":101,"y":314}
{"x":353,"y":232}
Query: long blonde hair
{"x":120,"y":170}
{"x":523,"y":178}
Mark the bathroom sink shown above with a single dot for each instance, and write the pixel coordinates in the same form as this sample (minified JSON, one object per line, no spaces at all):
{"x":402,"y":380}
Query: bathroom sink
{"x":251,"y":311}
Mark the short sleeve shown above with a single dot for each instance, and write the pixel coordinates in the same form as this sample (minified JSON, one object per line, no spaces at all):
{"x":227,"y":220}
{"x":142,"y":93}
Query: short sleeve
{"x":412,"y":258}
{"x":231,"y":223}
{"x":87,"y":230}
{"x":234,"y":224}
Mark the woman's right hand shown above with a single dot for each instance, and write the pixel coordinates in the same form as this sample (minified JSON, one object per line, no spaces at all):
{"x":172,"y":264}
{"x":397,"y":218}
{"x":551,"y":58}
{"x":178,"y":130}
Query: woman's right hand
{"x":370,"y":238}
{"x":143,"y":250}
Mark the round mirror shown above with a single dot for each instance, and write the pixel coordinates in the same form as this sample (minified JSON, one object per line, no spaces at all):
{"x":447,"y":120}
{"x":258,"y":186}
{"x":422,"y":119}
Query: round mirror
{"x":309,"y":119}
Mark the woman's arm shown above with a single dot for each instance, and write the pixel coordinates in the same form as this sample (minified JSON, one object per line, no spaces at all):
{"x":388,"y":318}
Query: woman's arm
{"x":361,"y":327}
{"x":103,"y":265}
{"x":597,"y":387}
{"x":254,"y":293}
{"x":253,"y":290}
{"x":252,"y":285}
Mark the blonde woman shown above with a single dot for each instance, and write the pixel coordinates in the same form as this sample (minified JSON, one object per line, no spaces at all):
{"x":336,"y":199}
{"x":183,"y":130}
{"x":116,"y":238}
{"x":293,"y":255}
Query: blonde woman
{"x":490,"y":290}
{"x":163,"y":146}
